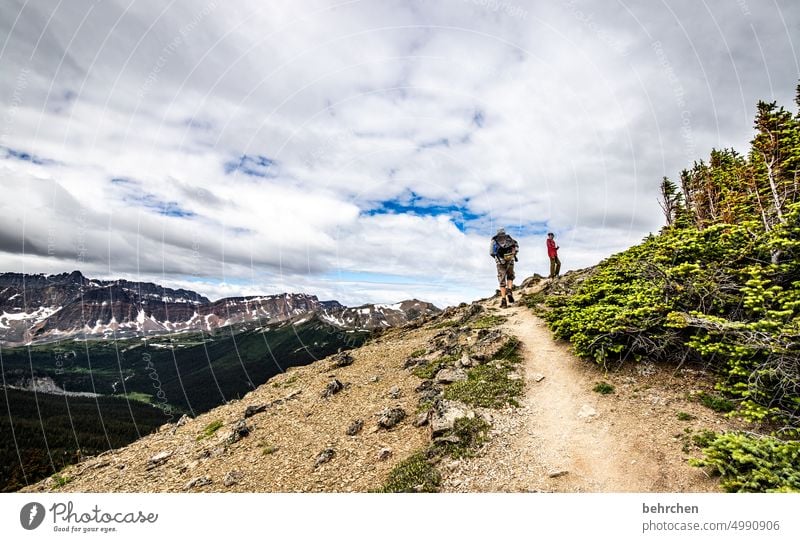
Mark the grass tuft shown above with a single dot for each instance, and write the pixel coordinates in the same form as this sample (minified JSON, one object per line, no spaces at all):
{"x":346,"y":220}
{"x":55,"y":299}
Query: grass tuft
{"x":414,"y":475}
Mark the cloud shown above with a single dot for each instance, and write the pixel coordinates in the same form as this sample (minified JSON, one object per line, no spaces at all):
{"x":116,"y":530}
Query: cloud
{"x":362,"y":151}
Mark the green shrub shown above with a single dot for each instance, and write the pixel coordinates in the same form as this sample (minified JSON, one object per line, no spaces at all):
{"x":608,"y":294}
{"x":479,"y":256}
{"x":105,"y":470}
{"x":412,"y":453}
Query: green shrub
{"x":715,"y":402}
{"x":603,"y":388}
{"x":685,"y":416}
{"x":413,"y":475}
{"x":752,"y":464}
{"x":419,"y":352}
{"x":60,"y":480}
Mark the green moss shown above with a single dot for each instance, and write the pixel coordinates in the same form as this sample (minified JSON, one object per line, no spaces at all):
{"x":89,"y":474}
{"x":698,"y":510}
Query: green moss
{"x":428,"y":370}
{"x":510,"y":352}
{"x":472,"y":433}
{"x":603,"y":388}
{"x":488,"y":321}
{"x":413,"y":475}
{"x":686,"y":417}
{"x":446,"y":324}
{"x":486,"y":386}
{"x":210,"y":429}
{"x":419,"y":352}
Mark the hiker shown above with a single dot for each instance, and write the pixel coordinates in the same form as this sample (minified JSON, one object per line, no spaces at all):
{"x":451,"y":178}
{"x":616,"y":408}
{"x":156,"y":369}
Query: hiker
{"x":552,"y":253}
{"x":504,"y":251}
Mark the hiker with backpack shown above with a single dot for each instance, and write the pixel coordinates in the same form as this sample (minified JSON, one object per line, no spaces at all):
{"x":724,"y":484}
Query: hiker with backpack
{"x":504,"y":249}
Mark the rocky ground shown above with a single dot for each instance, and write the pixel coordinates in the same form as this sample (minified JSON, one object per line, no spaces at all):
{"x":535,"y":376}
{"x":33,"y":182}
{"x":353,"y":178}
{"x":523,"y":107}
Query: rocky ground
{"x":349,"y":422}
{"x":566,"y":437}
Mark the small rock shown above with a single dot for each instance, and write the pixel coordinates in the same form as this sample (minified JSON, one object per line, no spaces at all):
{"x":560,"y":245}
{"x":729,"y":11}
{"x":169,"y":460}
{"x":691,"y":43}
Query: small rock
{"x":466,"y":362}
{"x":232,"y":478}
{"x":239,"y":431}
{"x":252,"y":410}
{"x":391,"y":417}
{"x":557,"y":473}
{"x":537,"y":377}
{"x":394,"y":392}
{"x":355,"y":428}
{"x":448,"y":376}
{"x":342,"y":359}
{"x":333,"y":387}
{"x":587,"y":412}
{"x":200,"y":481}
{"x":158,"y":459}
{"x":514,"y":376}
{"x":422,"y":419}
{"x":384,"y":454}
{"x":292,"y":395}
{"x":182,"y":421}
{"x":374,"y":378}
{"x":447,"y":439}
{"x":324,"y":457}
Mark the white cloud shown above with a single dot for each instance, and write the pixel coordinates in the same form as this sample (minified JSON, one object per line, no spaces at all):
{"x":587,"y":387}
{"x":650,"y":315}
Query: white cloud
{"x":560,"y":116}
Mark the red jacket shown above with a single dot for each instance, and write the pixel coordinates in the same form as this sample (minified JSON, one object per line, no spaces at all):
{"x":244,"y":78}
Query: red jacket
{"x":552,"y":249}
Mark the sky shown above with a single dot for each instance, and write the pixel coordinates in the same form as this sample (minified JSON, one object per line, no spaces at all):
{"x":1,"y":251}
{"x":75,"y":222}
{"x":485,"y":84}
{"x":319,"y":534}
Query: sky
{"x":363,"y":151}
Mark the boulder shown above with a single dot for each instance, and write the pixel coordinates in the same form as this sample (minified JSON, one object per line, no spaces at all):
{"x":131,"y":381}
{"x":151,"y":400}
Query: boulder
{"x":444,"y":416}
{"x":391,"y":417}
{"x":489,"y":345}
{"x":342,"y":359}
{"x":448,"y":376}
{"x":239,"y":431}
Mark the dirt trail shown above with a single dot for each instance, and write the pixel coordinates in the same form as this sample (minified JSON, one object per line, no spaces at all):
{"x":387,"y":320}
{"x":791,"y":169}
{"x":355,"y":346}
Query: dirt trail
{"x":567,"y":438}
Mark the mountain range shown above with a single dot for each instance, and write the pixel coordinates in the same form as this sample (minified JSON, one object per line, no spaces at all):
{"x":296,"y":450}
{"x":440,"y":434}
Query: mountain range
{"x":38,"y":308}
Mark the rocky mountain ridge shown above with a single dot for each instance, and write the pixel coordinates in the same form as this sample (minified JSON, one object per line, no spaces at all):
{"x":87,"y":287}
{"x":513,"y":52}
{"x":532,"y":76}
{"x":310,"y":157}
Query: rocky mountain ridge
{"x":46,"y":308}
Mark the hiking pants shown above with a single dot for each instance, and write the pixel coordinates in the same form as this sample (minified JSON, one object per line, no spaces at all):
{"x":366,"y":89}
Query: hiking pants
{"x":555,"y":266}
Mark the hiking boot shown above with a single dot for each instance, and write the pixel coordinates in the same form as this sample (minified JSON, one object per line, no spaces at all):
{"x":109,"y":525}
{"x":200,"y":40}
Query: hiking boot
{"x":510,"y":297}
{"x":503,"y":303}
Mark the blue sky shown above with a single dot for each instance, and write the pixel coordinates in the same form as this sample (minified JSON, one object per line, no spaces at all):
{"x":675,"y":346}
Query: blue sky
{"x":363,"y":151}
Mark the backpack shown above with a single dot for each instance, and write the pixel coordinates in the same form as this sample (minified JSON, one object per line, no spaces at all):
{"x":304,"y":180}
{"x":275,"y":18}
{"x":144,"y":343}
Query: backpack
{"x":503,"y":247}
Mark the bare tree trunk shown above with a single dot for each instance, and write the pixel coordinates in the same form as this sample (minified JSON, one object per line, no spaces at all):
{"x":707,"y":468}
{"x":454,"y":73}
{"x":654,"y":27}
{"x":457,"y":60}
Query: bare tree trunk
{"x":773,"y":187}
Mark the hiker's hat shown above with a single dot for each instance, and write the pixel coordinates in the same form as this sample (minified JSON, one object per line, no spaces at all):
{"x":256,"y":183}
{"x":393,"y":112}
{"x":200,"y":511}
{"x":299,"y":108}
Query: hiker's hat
{"x":501,"y":230}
